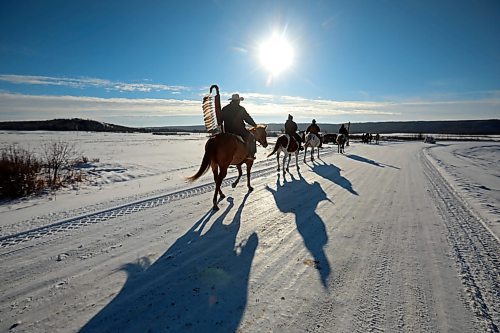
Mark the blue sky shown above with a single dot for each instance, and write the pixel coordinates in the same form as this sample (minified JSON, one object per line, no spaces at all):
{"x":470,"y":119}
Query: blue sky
{"x":149,"y":63}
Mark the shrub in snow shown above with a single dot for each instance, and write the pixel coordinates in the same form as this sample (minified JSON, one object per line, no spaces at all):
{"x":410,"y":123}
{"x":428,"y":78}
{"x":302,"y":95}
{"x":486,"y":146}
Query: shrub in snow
{"x":20,"y":173}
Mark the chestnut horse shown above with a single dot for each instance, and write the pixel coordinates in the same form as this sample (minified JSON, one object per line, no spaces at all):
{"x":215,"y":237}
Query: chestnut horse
{"x":227,"y":149}
{"x":288,"y":145}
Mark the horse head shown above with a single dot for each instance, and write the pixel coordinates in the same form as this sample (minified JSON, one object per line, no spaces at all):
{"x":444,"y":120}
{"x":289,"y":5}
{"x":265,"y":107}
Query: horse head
{"x":260,"y":134}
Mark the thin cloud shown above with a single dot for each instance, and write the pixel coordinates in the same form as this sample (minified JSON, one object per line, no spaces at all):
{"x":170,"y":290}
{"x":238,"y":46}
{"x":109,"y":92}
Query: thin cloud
{"x":76,"y":105}
{"x":261,"y":106}
{"x":81,"y":83}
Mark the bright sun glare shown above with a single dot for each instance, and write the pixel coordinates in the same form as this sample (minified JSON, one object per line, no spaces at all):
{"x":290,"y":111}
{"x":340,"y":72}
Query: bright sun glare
{"x":276,"y":54}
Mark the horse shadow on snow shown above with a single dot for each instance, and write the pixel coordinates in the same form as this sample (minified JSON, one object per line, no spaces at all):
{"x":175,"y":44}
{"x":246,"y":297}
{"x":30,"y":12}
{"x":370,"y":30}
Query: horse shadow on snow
{"x":302,"y":198}
{"x":369,"y":161}
{"x":199,"y":284}
{"x":332,"y":173}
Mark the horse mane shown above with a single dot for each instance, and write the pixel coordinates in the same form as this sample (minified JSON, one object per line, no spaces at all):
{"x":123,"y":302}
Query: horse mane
{"x":258,"y":126}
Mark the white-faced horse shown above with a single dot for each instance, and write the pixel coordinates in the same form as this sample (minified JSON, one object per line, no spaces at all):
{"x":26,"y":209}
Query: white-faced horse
{"x":288,"y":145}
{"x":313,"y":141}
{"x":341,"y":140}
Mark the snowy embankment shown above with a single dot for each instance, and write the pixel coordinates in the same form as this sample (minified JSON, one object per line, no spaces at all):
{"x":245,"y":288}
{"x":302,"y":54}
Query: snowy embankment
{"x":384,"y":238}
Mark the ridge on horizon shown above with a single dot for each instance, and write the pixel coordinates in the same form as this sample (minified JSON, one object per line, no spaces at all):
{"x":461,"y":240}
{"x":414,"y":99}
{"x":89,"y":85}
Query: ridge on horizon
{"x":470,"y":127}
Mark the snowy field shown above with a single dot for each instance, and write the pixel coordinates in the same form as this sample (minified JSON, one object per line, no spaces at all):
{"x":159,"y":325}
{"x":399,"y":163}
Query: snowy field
{"x":396,"y":237}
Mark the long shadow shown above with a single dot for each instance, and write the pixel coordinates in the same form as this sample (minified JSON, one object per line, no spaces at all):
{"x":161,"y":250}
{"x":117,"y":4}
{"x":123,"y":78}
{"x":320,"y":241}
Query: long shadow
{"x":301,"y":198}
{"x":332,"y":173}
{"x":199,"y":284}
{"x":372,"y":162}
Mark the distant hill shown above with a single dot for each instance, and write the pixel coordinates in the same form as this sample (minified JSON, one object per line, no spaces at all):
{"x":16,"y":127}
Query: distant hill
{"x":466,"y":127}
{"x":74,"y":124}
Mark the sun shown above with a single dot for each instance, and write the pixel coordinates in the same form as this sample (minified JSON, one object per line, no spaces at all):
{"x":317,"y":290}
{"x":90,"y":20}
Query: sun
{"x":276,"y":54}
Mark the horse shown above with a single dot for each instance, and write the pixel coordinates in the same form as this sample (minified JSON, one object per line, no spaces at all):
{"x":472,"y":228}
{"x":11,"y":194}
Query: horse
{"x":288,"y":145}
{"x":330,"y":137}
{"x":311,"y":140}
{"x":341,"y":140}
{"x":223,"y":150}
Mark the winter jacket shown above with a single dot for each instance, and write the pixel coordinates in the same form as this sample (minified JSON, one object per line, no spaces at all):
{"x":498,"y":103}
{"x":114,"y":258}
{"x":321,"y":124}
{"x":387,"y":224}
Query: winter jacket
{"x":234,"y":117}
{"x":313,"y":128}
{"x":290,"y":127}
{"x":343,"y":130}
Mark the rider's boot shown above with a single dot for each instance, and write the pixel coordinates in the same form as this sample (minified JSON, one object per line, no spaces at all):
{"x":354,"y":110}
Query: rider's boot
{"x":251,"y":148}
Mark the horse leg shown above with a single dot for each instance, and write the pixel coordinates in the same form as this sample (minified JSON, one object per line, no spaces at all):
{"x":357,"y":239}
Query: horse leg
{"x":305,"y":153}
{"x":278,"y":159}
{"x":318,"y":152}
{"x":218,"y":183}
{"x":249,"y":167}
{"x":297,"y":159}
{"x":312,"y":153}
{"x":239,"y":176}
{"x":285,"y":161}
{"x":215,"y":170}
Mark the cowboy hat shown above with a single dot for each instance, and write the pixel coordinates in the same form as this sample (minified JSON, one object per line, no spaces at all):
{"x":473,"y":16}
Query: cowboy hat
{"x":236,"y":97}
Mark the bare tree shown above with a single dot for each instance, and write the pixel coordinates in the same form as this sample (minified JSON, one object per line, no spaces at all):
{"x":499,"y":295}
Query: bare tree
{"x":58,"y":155}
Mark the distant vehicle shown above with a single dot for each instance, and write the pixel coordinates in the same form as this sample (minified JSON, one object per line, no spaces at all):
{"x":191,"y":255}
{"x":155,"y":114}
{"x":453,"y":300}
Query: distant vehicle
{"x":429,"y":139}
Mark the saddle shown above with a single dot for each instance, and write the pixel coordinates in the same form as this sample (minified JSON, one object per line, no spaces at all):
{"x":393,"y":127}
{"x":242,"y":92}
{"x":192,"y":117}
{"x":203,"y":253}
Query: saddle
{"x":248,"y":145}
{"x":289,"y":139}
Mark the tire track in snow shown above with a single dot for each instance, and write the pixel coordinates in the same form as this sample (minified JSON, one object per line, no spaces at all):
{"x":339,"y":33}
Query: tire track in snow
{"x":112,"y":213}
{"x":370,"y":314}
{"x":475,"y":249}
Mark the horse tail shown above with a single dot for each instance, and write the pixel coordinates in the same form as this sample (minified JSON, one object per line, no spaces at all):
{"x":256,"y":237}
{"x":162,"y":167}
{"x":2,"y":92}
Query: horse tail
{"x":205,"y":162}
{"x":279,"y":143}
{"x":275,"y":148}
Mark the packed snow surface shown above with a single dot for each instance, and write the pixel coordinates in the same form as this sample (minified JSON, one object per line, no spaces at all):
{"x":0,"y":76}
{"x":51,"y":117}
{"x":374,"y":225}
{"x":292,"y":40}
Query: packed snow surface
{"x":395,"y":237}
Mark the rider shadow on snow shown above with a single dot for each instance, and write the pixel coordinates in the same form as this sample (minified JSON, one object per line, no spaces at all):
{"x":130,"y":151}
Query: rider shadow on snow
{"x":332,"y":173}
{"x":301,"y":198}
{"x":372,"y":162}
{"x":199,"y":284}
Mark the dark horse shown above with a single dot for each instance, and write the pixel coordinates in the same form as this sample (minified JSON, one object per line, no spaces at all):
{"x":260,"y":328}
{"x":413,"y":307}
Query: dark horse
{"x":227,"y":149}
{"x":341,"y":140}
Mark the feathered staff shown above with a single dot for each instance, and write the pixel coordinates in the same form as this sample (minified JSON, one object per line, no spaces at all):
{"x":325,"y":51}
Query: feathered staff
{"x":212,"y":111}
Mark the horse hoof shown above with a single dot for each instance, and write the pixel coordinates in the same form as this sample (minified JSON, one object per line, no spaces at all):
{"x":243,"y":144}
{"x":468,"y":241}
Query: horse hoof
{"x":233,"y":185}
{"x":215,"y":208}
{"x":222,"y":196}
{"x":250,"y":189}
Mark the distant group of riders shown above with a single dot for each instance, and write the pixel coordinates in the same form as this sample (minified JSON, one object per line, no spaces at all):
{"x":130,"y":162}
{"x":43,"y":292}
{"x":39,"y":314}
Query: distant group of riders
{"x":369,"y":138}
{"x":236,"y":145}
{"x":234,"y":116}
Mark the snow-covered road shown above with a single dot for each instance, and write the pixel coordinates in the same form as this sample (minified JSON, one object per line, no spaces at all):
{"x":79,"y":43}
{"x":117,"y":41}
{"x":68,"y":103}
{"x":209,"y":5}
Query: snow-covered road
{"x":373,"y":240}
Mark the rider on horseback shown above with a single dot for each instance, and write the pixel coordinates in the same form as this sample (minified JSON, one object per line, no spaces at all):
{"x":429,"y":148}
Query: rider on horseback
{"x":234,"y":117}
{"x":314,"y":128}
{"x":291,"y":129}
{"x":343,"y":130}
